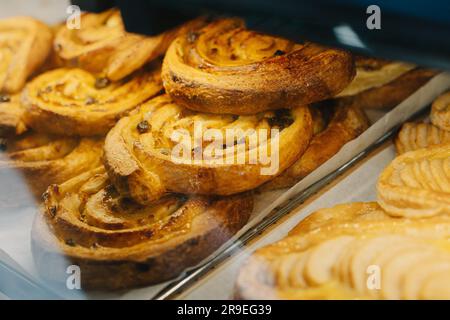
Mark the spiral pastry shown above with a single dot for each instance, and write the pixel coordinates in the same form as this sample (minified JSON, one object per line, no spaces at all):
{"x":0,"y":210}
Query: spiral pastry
{"x":417,"y":183}
{"x":102,"y":46}
{"x":225,"y":68}
{"x":381,"y":84}
{"x":42,"y":160}
{"x":334,"y":252}
{"x":347,"y":123}
{"x":74,"y":102}
{"x":24,"y":45}
{"x":11,"y":115}
{"x":440,"y":112}
{"x":166,"y":148}
{"x":118,"y":243}
{"x":413,"y":136}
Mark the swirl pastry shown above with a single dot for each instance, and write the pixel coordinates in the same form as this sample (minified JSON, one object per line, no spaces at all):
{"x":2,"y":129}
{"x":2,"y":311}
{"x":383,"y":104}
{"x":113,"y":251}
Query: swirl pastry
{"x":24,"y":45}
{"x":11,"y":115}
{"x":102,"y":46}
{"x":347,"y":123}
{"x":383,"y":84}
{"x":353,"y":251}
{"x":225,"y":68}
{"x":440,"y":112}
{"x":166,"y":148}
{"x":417,"y":183}
{"x":413,"y":136}
{"x":118,"y":243}
{"x":74,"y":102}
{"x":43,"y":160}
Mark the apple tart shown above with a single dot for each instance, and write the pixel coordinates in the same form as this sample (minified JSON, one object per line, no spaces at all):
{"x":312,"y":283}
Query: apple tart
{"x":353,"y":251}
{"x":163,"y":147}
{"x":225,"y":68}
{"x":413,"y":136}
{"x":24,"y":46}
{"x":440,"y":112}
{"x":103,"y":47}
{"x":346,"y":124}
{"x":382,"y":84}
{"x":75,"y":102}
{"x":417,"y":183}
{"x":118,"y":243}
{"x":42,"y":160}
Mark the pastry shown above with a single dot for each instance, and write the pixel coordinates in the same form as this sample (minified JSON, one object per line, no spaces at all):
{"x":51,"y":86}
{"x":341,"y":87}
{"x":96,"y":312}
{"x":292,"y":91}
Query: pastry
{"x":119,"y":244}
{"x":417,"y":183}
{"x":336,"y":253}
{"x":103,"y":47}
{"x":346,"y":124}
{"x":413,"y":136}
{"x":383,"y":84}
{"x":74,"y":102}
{"x":163,"y":147}
{"x":42,"y":160}
{"x":224,"y":68}
{"x":24,"y":45}
{"x":11,"y":115}
{"x":440,"y":112}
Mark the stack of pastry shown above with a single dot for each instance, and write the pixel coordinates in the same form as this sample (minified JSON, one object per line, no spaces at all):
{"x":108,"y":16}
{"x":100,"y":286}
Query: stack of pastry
{"x":397,"y":248}
{"x":98,"y":123}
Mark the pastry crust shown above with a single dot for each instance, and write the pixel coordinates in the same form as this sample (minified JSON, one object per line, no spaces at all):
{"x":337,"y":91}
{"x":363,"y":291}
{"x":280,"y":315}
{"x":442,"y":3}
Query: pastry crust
{"x":332,"y":253}
{"x":380,"y":84}
{"x":346,"y":124}
{"x":73,"y":102}
{"x":119,"y":244}
{"x":413,"y":136}
{"x":225,"y":68}
{"x":440,"y":112}
{"x":11,"y":115}
{"x":24,"y":45}
{"x":102,"y":46}
{"x":43,"y":160}
{"x":145,"y":165}
{"x":417,"y":183}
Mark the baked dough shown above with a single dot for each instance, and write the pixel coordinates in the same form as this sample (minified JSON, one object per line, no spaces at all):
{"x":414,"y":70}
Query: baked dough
{"x":103,"y":47}
{"x":413,"y":136}
{"x":333,"y":253}
{"x":42,"y":160}
{"x":119,"y":244}
{"x":144,"y":160}
{"x":24,"y":45}
{"x":225,"y":68}
{"x":11,"y":115}
{"x":74,"y":102}
{"x":440,"y":112}
{"x":381,"y":84}
{"x":346,"y":124}
{"x":417,"y":183}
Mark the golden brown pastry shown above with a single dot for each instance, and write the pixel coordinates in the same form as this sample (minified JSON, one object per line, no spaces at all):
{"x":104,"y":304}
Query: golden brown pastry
{"x":102,"y":46}
{"x":120,"y":244}
{"x":383,"y":84}
{"x":346,"y":124}
{"x":42,"y":160}
{"x":413,"y":136}
{"x":417,"y":183}
{"x":11,"y":115}
{"x":225,"y":68}
{"x":165,"y":148}
{"x":74,"y":102}
{"x":440,"y":112}
{"x":336,"y":253}
{"x":24,"y":45}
